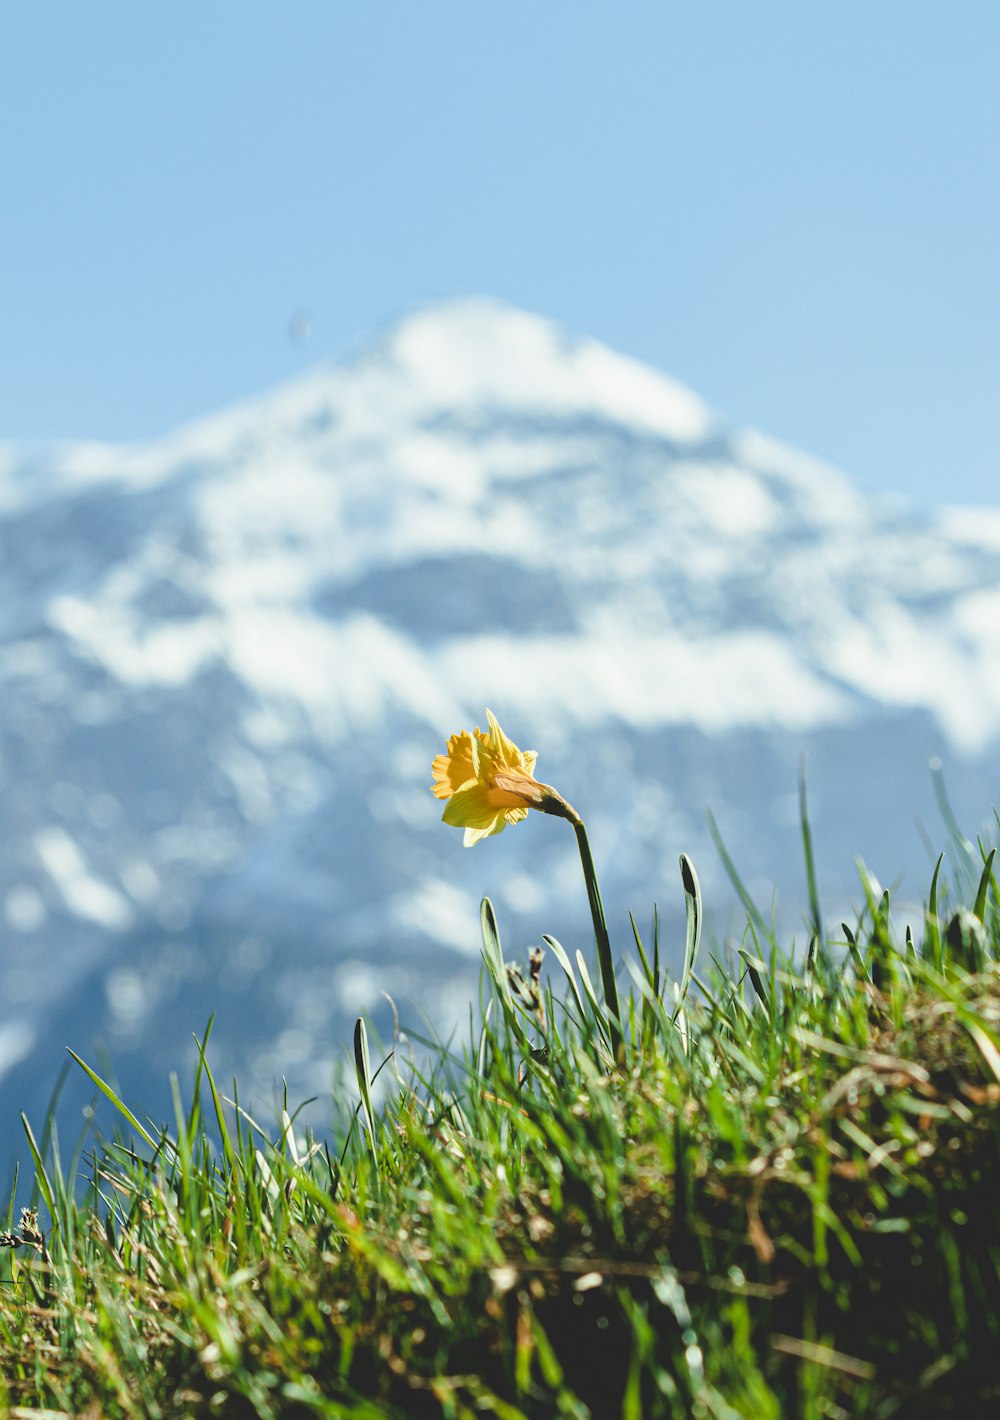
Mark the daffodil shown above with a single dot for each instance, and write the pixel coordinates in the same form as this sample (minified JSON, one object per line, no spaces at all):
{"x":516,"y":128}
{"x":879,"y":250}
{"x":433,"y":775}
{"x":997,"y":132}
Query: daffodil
{"x":489,"y":783}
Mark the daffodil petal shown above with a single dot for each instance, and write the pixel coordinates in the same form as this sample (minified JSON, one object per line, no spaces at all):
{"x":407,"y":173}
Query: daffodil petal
{"x":455,"y":768}
{"x":504,"y":749}
{"x":470,"y":807}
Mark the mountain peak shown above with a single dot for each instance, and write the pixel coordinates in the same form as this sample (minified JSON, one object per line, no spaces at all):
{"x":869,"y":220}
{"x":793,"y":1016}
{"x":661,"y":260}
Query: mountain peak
{"x":483,"y":352}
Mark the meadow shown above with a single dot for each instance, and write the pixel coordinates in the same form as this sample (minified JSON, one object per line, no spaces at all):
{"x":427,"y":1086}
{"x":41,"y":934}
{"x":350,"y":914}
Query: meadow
{"x":764,"y":1185}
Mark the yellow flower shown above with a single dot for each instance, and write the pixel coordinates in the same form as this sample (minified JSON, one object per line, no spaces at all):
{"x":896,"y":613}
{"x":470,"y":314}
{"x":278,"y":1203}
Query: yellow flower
{"x":490,"y":783}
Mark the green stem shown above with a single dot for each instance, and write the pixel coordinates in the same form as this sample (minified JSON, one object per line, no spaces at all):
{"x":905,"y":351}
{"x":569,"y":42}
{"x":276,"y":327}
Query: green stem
{"x":601,"y":936}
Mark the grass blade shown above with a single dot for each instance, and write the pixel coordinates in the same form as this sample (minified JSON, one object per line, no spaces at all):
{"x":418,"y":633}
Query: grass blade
{"x":41,"y":1176}
{"x":947,"y":813}
{"x":694,"y":917}
{"x":493,"y":957}
{"x":559,"y":952}
{"x":588,"y":986}
{"x":119,"y":1104}
{"x":933,"y":923}
{"x":816,"y":920}
{"x":753,"y":911}
{"x":232,"y":1162}
{"x":363,"y":1069}
{"x":642,"y":952}
{"x":754,"y":967}
{"x":984,"y":886}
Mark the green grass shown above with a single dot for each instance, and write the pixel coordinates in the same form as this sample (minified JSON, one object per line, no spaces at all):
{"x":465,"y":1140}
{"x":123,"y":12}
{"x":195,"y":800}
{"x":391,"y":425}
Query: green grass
{"x":771,"y":1189}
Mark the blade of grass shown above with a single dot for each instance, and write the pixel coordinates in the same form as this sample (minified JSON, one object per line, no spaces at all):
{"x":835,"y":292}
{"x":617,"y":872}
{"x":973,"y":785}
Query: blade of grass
{"x":732,"y":873}
{"x":933,"y":924}
{"x":588,"y":986}
{"x":693,"y":918}
{"x":948,"y":814}
{"x":641,"y":950}
{"x":604,"y":957}
{"x":984,"y":886}
{"x":42,"y":1180}
{"x":119,"y":1104}
{"x":816,"y":920}
{"x":232,"y":1161}
{"x":993,"y":877}
{"x":493,"y":957}
{"x":363,"y":1069}
{"x":754,"y":966}
{"x":559,"y":952}
{"x":856,"y":957}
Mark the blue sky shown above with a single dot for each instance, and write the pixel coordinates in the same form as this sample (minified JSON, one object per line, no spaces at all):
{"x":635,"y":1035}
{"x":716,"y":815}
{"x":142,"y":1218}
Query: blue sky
{"x":792,"y":207}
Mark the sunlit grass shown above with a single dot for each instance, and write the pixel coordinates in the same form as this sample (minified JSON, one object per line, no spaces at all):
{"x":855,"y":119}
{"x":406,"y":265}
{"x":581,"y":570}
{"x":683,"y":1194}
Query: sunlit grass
{"x":771,"y":1188}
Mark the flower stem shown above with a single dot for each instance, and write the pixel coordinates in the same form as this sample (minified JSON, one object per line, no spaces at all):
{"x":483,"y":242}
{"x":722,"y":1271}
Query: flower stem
{"x":601,"y":936}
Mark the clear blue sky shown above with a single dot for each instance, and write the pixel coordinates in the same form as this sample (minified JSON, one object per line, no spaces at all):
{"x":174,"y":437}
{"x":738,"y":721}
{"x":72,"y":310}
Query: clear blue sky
{"x":792,"y":207}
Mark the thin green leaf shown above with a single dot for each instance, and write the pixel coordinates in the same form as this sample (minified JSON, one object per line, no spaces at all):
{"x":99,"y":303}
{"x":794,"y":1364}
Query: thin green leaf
{"x":41,"y":1176}
{"x":947,"y":812}
{"x":484,"y":1041}
{"x":363,"y":1069}
{"x":752,"y":909}
{"x":232,"y":1161}
{"x":109,"y":1093}
{"x":559,"y":952}
{"x":933,"y":923}
{"x":588,"y":986}
{"x":693,"y":915}
{"x":856,"y":957}
{"x":493,"y":957}
{"x":754,"y":967}
{"x":642,"y":952}
{"x":984,"y":886}
{"x":816,"y":919}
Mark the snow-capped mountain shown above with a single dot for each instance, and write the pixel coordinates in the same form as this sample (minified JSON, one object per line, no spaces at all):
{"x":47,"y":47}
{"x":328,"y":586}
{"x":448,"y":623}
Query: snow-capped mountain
{"x":228,"y":657}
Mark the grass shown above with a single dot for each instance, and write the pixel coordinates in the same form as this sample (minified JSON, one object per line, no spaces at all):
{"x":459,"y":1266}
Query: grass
{"x":772,"y":1188}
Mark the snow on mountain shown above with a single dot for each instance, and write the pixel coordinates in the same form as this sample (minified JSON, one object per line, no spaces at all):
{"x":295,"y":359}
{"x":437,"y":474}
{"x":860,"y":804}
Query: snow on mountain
{"x":229,"y":655}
